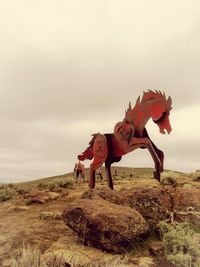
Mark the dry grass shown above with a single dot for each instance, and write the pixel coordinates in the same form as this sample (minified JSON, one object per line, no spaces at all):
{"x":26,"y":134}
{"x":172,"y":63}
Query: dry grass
{"x":29,"y":256}
{"x":45,"y":215}
{"x":170,"y":178}
{"x":38,"y":225}
{"x":115,"y":261}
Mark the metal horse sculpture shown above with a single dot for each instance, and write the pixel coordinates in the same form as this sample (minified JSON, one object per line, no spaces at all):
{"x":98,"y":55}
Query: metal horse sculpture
{"x":131,"y":134}
{"x":79,"y":169}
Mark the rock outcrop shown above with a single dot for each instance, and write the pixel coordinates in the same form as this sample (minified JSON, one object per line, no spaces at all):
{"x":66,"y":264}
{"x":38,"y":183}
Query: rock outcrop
{"x":39,"y":196}
{"x":105,"y":225}
{"x":153,"y":203}
{"x":186,"y":205}
{"x":105,"y":193}
{"x":113,"y":220}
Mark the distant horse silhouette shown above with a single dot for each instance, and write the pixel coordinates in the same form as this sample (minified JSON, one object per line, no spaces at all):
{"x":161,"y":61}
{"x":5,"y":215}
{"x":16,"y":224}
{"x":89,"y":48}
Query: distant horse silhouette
{"x":79,"y":170}
{"x":131,"y":134}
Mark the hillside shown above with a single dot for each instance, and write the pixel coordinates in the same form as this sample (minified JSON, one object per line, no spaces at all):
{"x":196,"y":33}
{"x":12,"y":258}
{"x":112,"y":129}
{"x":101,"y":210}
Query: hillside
{"x":31,"y":215}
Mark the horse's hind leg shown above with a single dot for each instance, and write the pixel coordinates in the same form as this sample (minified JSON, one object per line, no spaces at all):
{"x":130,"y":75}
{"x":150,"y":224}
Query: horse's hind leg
{"x":109,"y":175}
{"x":100,"y":151}
{"x":92,"y":176}
{"x":108,"y":169}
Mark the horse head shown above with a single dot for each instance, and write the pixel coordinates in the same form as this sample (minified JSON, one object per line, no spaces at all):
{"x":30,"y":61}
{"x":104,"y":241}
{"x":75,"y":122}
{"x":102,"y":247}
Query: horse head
{"x":152,"y":105}
{"x":159,"y":109}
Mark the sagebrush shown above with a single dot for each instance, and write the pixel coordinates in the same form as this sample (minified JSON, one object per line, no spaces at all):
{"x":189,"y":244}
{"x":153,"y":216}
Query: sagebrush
{"x":7,"y":192}
{"x":60,"y":182}
{"x":181,"y":244}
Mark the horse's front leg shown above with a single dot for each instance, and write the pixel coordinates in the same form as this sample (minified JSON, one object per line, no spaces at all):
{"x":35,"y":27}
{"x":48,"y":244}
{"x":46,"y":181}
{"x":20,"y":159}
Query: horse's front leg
{"x":145,"y":142}
{"x":157,"y":167}
{"x":158,"y":151}
{"x":100,"y":152}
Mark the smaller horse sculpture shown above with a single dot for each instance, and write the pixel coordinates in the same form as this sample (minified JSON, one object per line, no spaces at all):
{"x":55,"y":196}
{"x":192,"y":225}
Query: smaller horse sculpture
{"x":79,"y":170}
{"x":99,"y":173}
{"x":131,"y":134}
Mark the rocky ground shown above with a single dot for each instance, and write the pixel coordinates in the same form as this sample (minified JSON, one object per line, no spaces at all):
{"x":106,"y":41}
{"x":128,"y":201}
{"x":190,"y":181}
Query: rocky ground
{"x":87,"y":226}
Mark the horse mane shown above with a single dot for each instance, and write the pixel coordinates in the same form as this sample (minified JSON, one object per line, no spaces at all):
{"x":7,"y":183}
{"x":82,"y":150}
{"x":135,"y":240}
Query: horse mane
{"x":93,"y":139}
{"x":147,"y":96}
{"x":150,"y":95}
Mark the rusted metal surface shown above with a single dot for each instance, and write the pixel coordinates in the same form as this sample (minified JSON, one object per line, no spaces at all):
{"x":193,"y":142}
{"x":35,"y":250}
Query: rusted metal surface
{"x":130,"y":134}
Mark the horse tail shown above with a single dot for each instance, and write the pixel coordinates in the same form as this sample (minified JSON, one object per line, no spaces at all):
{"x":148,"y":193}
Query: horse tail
{"x":88,"y":153}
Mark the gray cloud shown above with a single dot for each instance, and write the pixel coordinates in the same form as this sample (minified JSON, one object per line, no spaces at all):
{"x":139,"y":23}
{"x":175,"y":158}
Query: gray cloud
{"x":69,"y":69}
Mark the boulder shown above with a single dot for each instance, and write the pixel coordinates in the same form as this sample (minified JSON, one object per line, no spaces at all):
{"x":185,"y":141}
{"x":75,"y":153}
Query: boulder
{"x":186,"y":205}
{"x":105,"y":225}
{"x":40,"y":196}
{"x":153,"y":203}
{"x":104,"y":193}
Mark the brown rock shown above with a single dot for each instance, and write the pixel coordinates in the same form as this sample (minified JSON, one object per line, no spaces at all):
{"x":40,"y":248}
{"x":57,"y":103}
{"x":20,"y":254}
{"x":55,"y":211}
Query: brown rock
{"x":105,"y":225}
{"x":52,"y":195}
{"x":154,"y":204}
{"x":186,"y":205}
{"x":40,"y":196}
{"x":64,"y":194}
{"x":22,"y":191}
{"x":104,"y":193}
{"x":157,"y":248}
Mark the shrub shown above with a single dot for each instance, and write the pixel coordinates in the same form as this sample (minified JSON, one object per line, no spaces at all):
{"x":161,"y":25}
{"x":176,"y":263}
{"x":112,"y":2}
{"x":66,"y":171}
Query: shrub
{"x":42,"y":185}
{"x":65,"y":182}
{"x":6,"y":192}
{"x":195,"y":175}
{"x":169,"y":178}
{"x":11,"y":185}
{"x":51,"y":185}
{"x":55,"y":183}
{"x":181,"y":244}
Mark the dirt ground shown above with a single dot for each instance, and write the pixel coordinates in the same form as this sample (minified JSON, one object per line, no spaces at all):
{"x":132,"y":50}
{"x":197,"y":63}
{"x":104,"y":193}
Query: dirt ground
{"x":31,"y":227}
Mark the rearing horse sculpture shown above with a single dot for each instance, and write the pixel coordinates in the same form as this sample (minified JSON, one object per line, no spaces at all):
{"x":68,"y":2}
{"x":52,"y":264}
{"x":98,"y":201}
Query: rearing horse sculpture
{"x":131,"y":134}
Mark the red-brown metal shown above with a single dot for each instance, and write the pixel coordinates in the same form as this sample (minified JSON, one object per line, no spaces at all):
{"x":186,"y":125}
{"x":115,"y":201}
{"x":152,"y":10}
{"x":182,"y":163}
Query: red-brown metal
{"x":79,"y":170}
{"x":131,"y":134}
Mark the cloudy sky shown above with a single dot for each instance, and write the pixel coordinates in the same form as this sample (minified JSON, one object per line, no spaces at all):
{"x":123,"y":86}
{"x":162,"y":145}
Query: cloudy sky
{"x":69,"y":68}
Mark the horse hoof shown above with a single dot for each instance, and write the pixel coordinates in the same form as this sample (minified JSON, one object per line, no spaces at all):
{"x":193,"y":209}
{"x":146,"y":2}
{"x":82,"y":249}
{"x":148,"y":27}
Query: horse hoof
{"x":157,"y":176}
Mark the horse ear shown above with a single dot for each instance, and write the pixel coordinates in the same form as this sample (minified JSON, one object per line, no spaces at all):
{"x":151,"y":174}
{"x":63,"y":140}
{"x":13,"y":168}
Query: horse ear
{"x":169,"y":102}
{"x":129,"y":106}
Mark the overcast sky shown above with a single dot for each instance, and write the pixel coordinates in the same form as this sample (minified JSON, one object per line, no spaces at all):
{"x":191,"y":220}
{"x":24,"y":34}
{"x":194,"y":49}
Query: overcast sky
{"x":69,"y":68}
